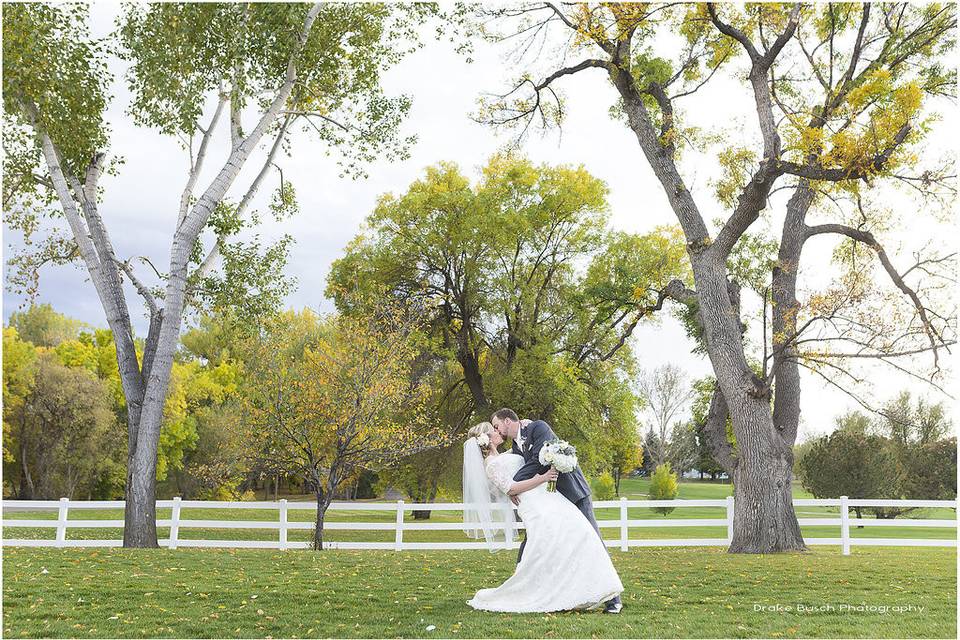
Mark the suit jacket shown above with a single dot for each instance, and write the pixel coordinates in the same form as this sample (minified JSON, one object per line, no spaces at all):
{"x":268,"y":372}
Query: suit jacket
{"x":573,"y":486}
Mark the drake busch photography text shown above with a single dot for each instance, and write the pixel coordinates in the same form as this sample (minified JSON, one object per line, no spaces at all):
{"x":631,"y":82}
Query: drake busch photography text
{"x":844,"y":607}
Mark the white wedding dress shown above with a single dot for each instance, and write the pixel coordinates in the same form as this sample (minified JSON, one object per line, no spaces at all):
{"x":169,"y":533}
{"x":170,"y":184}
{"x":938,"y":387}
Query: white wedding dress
{"x":564,"y":565}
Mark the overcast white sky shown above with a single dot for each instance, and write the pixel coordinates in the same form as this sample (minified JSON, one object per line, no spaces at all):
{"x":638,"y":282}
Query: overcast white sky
{"x":140,"y":204}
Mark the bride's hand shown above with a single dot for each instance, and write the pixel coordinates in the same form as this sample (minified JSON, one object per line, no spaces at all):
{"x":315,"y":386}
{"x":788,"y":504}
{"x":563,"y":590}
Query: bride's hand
{"x":550,"y":474}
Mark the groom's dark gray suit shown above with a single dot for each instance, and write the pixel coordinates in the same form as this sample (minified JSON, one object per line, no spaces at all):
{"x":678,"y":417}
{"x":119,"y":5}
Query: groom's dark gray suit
{"x":572,"y":486}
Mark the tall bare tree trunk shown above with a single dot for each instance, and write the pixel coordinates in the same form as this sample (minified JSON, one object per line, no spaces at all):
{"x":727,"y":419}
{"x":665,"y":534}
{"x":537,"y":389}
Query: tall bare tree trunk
{"x":140,"y":515}
{"x":764,"y":520}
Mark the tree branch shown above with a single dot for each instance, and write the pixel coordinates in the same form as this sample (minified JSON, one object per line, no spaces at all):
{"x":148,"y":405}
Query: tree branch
{"x":733,"y":32}
{"x":714,"y":430}
{"x":754,"y":196}
{"x":867,"y":238}
{"x":197,"y":165}
{"x":142,"y":289}
{"x":603,"y":44}
{"x":190,"y":228}
{"x":816,"y":172}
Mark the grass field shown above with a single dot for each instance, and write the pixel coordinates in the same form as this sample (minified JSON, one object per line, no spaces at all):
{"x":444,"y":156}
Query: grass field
{"x":673,"y":592}
{"x":670,"y":592}
{"x":633,"y":488}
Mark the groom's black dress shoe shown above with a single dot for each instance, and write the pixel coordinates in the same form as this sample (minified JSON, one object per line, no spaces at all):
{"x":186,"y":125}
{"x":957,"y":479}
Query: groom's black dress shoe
{"x":613,"y":607}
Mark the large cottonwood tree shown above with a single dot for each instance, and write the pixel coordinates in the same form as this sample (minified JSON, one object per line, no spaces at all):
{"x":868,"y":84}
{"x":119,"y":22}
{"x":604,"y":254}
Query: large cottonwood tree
{"x":260,"y":71}
{"x":522,"y":259}
{"x":838,"y":95}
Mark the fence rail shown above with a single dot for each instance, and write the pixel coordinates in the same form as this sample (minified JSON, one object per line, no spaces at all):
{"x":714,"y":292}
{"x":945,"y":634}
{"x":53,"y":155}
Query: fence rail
{"x":284,"y":525}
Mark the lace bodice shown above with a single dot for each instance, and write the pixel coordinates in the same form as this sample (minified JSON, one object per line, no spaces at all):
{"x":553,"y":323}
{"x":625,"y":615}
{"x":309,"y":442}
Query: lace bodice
{"x":501,"y":469}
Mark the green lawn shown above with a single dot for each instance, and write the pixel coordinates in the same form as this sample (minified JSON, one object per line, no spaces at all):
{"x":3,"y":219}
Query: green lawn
{"x":632,"y":488}
{"x":672,"y":592}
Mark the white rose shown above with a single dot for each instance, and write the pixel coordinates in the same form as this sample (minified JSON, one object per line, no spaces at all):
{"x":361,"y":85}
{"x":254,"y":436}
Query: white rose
{"x":483,"y":439}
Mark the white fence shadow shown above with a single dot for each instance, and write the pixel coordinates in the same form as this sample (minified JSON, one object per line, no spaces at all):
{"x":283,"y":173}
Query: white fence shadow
{"x":623,"y":523}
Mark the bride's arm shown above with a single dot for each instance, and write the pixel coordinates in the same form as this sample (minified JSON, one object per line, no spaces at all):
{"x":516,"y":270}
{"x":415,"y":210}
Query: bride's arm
{"x":530,"y":483}
{"x":504,"y":481}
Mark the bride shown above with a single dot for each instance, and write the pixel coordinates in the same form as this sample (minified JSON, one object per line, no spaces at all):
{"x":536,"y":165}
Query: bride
{"x":564,"y":564}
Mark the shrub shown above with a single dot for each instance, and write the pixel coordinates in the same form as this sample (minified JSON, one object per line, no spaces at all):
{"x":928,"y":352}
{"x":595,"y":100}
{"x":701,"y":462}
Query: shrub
{"x":604,"y":487}
{"x":663,"y":486}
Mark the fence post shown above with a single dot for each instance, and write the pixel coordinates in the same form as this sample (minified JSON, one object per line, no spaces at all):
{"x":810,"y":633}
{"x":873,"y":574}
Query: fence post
{"x":729,"y":519}
{"x":283,"y":523}
{"x":398,"y":544}
{"x":62,"y":522}
{"x":175,"y":522}
{"x":623,"y":524}
{"x":844,"y":526}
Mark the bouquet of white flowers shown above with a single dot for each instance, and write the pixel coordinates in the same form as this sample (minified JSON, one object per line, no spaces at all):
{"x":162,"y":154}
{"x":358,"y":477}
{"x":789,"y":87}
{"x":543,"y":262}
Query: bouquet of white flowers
{"x":559,"y":454}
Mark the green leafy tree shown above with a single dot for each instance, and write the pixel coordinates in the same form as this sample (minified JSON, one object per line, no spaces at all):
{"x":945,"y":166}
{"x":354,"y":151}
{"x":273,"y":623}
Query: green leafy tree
{"x":213,"y":364}
{"x":917,"y":433}
{"x":216,"y":337}
{"x":627,"y":456}
{"x":903,"y":454}
{"x":262,"y":71}
{"x":44,"y":327}
{"x":197,"y":397}
{"x":421,"y":477}
{"x":856,"y":422}
{"x":512,"y":319}
{"x":703,"y":392}
{"x":851,"y":463}
{"x":340,"y":404}
{"x":63,"y":425}
{"x":930,"y":471}
{"x":65,"y":340}
{"x":909,"y":423}
{"x":435,"y":473}
{"x":19,"y":371}
{"x":96,"y":352}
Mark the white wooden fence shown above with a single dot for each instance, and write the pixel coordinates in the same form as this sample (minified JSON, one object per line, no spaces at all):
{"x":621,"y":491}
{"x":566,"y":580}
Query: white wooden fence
{"x":623,"y":523}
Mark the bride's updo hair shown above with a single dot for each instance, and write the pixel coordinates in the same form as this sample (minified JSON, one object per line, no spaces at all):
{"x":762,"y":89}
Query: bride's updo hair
{"x":480,"y":430}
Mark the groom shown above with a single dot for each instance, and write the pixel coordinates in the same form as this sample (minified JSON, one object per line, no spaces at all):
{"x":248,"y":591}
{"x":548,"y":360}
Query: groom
{"x":527,"y":441}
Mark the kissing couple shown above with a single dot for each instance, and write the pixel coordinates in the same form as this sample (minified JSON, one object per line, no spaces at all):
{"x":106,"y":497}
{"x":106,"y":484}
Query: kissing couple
{"x":563,"y":563}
